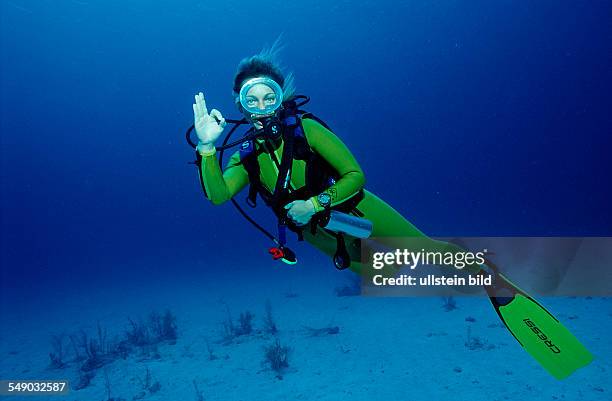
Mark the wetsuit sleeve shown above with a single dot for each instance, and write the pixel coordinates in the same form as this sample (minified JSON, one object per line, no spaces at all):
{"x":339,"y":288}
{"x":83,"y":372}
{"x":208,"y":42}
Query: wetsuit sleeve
{"x":326,"y":144}
{"x":219,"y":186}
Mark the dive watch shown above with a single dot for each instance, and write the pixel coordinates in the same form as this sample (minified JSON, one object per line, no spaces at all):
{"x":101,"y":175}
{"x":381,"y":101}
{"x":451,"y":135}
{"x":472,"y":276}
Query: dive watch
{"x":324,"y":200}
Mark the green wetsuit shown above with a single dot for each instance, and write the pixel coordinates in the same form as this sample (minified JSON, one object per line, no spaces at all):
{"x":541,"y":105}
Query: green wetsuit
{"x":386,"y":221}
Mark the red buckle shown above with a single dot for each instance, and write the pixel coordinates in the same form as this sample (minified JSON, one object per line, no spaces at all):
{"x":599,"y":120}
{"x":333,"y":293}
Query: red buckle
{"x":277,"y":253}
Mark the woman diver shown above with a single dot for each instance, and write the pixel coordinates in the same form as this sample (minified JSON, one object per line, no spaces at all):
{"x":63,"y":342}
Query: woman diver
{"x":315,"y":187}
{"x":301,"y":169}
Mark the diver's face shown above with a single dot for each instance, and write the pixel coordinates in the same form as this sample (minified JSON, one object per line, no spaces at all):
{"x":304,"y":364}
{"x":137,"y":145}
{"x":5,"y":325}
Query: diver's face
{"x":259,"y":97}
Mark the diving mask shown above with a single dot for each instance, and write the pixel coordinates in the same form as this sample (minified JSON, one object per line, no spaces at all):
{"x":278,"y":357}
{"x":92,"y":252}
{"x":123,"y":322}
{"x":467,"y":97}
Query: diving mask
{"x":261,"y":97}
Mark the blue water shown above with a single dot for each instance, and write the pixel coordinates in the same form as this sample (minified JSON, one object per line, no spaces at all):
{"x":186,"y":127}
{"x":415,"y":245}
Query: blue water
{"x":470,"y":118}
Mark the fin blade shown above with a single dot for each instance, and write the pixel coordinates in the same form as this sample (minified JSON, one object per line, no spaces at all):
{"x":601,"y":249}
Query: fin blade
{"x":544,"y":337}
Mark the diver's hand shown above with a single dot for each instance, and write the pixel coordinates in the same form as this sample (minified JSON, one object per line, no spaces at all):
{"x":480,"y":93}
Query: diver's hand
{"x":300,"y":211}
{"x":208,"y":127}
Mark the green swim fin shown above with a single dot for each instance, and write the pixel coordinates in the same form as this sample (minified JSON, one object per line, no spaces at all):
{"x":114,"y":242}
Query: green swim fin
{"x":539,"y":332}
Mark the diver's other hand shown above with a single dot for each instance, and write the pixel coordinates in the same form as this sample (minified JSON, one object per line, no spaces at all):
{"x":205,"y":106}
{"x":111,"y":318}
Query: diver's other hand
{"x":300,"y":211}
{"x":208,"y":127}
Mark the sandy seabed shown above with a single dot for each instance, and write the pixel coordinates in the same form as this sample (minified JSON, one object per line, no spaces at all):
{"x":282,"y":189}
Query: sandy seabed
{"x":383,"y":348}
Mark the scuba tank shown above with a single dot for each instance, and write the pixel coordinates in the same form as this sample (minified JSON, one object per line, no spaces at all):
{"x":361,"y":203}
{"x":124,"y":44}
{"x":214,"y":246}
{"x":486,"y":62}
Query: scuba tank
{"x":342,"y":223}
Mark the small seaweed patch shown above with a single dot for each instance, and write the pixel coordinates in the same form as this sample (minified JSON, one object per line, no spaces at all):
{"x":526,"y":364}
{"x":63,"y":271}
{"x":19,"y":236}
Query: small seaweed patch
{"x":163,"y":327}
{"x":269,"y":322}
{"x":474,"y":343}
{"x":158,"y":328}
{"x":148,"y":384}
{"x":449,"y":303}
{"x":90,"y":353}
{"x":323,"y":331}
{"x":199,"y":394}
{"x":277,"y":357}
{"x":245,"y":324}
{"x":232,"y":330}
{"x":108,"y":387}
{"x":211,"y":354}
{"x":97,"y":350}
{"x":59,"y":352}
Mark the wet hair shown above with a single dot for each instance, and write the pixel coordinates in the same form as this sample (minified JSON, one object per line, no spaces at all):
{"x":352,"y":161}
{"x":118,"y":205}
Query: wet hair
{"x":264,"y":64}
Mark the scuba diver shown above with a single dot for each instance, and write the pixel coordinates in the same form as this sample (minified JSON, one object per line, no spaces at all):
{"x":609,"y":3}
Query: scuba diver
{"x":314,"y":185}
{"x":297,"y":165}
